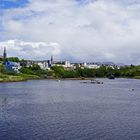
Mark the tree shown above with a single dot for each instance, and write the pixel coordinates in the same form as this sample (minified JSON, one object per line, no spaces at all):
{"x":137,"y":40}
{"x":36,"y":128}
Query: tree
{"x":13,"y":59}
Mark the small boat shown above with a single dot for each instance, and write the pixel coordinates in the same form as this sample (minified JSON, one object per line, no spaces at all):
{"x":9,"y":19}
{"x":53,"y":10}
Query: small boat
{"x":111,"y":77}
{"x":92,"y":82}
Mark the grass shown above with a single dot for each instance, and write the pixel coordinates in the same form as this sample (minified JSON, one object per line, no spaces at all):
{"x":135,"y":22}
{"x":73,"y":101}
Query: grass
{"x":16,"y":78}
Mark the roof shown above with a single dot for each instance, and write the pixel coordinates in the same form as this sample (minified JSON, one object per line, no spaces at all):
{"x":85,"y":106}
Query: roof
{"x":11,"y":63}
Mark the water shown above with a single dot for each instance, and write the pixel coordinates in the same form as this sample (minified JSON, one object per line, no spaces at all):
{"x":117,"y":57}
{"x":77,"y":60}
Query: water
{"x":69,"y":110}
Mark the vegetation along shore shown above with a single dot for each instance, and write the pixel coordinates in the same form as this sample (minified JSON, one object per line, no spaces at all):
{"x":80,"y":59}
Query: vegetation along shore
{"x":59,"y":72}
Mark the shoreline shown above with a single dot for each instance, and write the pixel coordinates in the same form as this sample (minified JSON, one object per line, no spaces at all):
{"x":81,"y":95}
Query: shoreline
{"x":23,"y":78}
{"x":17,"y":78}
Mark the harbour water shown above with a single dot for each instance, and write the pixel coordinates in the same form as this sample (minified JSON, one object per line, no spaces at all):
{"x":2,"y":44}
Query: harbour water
{"x":70,"y":110}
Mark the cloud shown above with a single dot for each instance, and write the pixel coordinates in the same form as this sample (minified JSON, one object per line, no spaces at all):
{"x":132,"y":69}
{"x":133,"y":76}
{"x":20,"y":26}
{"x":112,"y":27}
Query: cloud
{"x":34,"y":50}
{"x":84,"y":30}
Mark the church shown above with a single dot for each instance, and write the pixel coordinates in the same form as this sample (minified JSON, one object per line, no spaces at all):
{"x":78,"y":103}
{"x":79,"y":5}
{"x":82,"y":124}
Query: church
{"x":4,"y":56}
{"x":9,"y":65}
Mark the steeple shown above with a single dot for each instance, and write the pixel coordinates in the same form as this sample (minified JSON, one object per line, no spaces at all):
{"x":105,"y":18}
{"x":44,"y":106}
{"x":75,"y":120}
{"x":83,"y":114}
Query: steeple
{"x":52,"y":59}
{"x":4,"y":53}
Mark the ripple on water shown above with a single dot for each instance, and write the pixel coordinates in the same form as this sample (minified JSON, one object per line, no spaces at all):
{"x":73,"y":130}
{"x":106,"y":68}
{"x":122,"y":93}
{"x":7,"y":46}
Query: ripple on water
{"x":68,"y":110}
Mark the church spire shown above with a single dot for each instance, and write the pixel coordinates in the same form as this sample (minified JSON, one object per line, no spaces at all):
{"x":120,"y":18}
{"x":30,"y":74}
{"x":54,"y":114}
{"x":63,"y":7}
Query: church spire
{"x":4,"y":53}
{"x":52,"y":59}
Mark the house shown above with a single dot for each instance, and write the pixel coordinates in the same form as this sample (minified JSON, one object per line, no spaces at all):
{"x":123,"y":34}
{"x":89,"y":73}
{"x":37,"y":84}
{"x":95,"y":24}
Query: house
{"x":91,"y":65}
{"x":43,"y":64}
{"x":12,"y":66}
{"x":65,"y":64}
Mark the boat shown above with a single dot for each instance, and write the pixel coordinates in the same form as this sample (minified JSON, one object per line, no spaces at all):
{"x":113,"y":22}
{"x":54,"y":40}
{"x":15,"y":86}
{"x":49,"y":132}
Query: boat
{"x":58,"y":80}
{"x":111,"y":77}
{"x":92,"y":82}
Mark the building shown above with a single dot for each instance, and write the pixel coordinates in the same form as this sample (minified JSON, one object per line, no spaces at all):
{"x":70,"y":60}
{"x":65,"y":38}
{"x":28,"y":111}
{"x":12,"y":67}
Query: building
{"x":4,"y":53}
{"x":65,"y":64}
{"x":4,"y":56}
{"x":43,"y":64}
{"x":51,"y":61}
{"x":12,"y":66}
{"x":91,"y":65}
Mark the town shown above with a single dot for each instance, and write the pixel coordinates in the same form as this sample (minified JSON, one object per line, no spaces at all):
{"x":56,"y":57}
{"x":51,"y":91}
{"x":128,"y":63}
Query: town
{"x":15,"y":65}
{"x":15,"y":69}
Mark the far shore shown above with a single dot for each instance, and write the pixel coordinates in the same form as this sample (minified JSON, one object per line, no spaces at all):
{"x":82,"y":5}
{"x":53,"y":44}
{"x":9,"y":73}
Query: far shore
{"x":13,"y":78}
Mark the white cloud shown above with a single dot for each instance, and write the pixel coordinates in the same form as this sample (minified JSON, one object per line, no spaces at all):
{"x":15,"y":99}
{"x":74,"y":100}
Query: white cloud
{"x":34,"y":50}
{"x":101,"y":30}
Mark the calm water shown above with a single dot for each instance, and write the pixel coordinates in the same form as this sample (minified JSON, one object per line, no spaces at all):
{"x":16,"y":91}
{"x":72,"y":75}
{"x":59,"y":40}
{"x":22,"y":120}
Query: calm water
{"x":69,"y":110}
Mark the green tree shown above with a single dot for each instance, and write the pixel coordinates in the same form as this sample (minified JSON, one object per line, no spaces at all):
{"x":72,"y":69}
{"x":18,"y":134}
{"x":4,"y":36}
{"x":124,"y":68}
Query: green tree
{"x":13,"y":59}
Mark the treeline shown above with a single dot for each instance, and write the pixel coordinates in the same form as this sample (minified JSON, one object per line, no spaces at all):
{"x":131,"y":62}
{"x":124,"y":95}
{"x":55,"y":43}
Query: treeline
{"x":34,"y":70}
{"x":13,"y":59}
{"x":61,"y":72}
{"x":84,"y":72}
{"x":103,"y":71}
{"x":132,"y":71}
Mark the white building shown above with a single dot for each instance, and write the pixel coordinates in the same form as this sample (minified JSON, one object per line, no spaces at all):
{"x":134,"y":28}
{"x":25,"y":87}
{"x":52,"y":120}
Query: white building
{"x":91,"y":65}
{"x":16,"y":67}
{"x":67,"y":64}
{"x":43,"y":64}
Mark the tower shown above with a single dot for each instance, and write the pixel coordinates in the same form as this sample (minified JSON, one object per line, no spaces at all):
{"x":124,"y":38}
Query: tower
{"x":52,"y":59}
{"x":4,"y":53}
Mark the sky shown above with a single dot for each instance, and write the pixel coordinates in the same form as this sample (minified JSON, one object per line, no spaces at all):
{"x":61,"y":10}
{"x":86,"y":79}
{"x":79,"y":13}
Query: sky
{"x":75,"y":30}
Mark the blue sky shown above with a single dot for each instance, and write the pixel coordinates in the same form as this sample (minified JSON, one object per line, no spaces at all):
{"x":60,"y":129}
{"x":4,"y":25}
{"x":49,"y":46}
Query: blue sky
{"x":8,"y":4}
{"x":82,"y":30}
